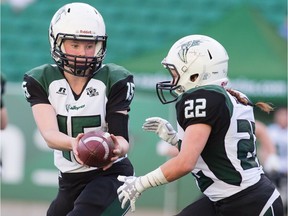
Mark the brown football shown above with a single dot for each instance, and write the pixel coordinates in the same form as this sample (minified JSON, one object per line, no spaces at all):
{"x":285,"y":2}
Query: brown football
{"x":95,"y":148}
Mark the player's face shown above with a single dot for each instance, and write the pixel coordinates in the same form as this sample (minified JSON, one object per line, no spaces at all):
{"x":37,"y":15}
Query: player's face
{"x":79,"y":48}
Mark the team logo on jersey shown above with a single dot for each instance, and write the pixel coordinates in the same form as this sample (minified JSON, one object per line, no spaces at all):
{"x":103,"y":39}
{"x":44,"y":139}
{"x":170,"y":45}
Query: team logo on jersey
{"x":92,"y":92}
{"x":185,"y":48}
{"x":62,"y":91}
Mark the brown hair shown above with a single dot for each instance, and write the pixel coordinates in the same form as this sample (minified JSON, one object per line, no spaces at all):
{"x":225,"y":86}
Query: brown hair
{"x":262,"y":105}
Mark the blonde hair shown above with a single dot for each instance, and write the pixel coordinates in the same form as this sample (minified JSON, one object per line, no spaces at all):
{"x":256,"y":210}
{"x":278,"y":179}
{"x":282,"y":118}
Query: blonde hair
{"x":265,"y":107}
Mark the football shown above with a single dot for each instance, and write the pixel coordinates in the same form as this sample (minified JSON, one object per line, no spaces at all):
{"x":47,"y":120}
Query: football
{"x":95,"y":148}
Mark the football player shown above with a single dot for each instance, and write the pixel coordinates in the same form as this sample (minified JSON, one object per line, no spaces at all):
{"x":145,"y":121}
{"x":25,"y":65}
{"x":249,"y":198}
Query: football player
{"x":77,"y":94}
{"x":216,"y":136}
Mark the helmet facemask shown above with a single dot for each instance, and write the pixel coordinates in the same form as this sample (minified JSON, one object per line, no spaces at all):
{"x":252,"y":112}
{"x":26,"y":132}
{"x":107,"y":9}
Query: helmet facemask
{"x":82,"y":66}
{"x":167,"y":89}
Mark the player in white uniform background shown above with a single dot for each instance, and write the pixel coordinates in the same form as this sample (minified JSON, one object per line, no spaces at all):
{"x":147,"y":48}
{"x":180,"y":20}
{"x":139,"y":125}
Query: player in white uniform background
{"x":216,"y":137}
{"x":279,"y":133}
{"x":76,"y":95}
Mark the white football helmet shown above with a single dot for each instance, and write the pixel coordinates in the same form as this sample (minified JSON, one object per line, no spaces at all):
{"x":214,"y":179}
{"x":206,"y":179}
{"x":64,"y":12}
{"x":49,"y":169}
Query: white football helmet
{"x":194,"y":60}
{"x":77,"y":21}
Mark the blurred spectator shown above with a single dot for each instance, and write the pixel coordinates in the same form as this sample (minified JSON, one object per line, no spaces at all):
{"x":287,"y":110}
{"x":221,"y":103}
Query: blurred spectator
{"x":283,"y":28}
{"x":18,"y":5}
{"x":4,"y":116}
{"x":279,"y":132}
{"x":266,"y":149}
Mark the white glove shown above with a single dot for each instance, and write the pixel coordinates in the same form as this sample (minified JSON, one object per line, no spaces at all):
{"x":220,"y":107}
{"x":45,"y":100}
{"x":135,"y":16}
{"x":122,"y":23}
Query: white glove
{"x":272,"y":164}
{"x":130,"y":190}
{"x":163,"y":128}
{"x":134,"y":186}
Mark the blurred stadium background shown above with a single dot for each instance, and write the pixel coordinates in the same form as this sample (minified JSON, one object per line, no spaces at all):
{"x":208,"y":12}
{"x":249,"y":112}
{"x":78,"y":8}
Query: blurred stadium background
{"x":140,"y":33}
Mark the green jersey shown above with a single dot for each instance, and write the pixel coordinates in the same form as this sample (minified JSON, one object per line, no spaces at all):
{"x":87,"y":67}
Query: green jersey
{"x":228,"y":163}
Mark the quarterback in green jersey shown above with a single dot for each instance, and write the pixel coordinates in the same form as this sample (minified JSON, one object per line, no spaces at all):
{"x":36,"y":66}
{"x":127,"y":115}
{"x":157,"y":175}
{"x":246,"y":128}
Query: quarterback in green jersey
{"x":76,"y":95}
{"x":216,"y":137}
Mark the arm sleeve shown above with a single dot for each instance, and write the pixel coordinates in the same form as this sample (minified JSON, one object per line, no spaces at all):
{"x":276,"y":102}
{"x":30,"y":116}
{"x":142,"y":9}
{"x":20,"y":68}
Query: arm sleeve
{"x":118,"y":125}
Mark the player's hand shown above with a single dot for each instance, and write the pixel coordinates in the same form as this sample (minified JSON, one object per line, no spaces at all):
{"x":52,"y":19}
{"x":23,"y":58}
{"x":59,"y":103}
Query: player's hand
{"x":130,"y":190}
{"x":117,"y":151}
{"x":74,"y":143}
{"x":162,"y":128}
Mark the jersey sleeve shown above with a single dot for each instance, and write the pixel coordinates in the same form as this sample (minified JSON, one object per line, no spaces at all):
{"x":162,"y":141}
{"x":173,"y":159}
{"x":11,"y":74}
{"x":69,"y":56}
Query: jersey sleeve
{"x":200,"y":106}
{"x":121,"y":95}
{"x":33,"y":91}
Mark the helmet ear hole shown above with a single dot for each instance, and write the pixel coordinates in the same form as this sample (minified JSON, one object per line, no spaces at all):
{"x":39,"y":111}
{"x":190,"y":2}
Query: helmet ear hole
{"x":194,"y":77}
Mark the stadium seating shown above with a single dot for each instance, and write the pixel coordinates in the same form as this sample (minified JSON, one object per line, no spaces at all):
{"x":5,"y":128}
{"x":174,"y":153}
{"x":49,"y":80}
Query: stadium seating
{"x":134,"y":27}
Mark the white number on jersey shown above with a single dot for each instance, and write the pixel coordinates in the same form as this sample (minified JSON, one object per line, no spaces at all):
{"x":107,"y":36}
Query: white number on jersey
{"x":130,"y":91}
{"x":24,"y":87}
{"x":195,"y":109}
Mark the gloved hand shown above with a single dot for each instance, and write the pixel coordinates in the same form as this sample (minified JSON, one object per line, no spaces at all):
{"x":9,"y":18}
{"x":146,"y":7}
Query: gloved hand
{"x":130,"y":190}
{"x":163,"y":128}
{"x":272,"y":164}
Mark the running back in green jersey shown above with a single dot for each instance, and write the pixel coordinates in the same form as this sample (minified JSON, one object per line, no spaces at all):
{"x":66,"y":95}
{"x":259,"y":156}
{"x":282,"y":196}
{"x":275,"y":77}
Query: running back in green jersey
{"x":228,"y":163}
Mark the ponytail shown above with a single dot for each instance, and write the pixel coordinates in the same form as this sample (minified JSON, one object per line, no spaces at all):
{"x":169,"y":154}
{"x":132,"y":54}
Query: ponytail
{"x":265,"y":107}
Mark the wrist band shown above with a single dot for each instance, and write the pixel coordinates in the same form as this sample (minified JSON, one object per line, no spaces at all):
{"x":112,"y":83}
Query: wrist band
{"x":153,"y":179}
